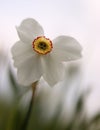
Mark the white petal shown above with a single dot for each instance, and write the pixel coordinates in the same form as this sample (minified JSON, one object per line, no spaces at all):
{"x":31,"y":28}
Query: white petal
{"x":21,"y":52}
{"x":19,"y":47}
{"x":30,"y":70}
{"x":29,"y":29}
{"x":66,"y":48}
{"x":53,"y":71}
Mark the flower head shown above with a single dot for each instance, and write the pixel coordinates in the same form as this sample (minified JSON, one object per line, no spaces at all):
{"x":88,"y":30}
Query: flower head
{"x":36,"y":56}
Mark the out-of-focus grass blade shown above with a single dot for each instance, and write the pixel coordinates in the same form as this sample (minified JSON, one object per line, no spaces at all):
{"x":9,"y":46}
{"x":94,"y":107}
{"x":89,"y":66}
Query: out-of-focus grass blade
{"x":13,"y":82}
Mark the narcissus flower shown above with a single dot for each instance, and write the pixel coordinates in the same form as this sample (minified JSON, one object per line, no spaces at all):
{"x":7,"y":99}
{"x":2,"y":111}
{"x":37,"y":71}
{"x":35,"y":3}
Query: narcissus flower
{"x":36,"y":56}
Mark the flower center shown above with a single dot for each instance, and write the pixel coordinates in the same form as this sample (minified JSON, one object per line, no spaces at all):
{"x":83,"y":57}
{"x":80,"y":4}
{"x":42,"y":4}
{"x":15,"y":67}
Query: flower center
{"x":42,"y":45}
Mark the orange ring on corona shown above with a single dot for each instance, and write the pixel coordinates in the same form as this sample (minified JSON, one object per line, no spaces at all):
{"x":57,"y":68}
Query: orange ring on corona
{"x":42,"y":45}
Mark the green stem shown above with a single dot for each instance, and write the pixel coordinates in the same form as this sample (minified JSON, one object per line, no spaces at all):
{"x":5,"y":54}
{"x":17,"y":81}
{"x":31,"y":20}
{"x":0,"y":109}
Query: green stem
{"x":26,"y":121}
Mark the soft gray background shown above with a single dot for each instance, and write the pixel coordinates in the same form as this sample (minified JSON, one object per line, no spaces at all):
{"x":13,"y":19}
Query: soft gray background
{"x":78,"y":18}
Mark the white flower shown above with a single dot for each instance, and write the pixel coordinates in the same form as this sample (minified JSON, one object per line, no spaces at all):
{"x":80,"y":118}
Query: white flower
{"x":36,"y":56}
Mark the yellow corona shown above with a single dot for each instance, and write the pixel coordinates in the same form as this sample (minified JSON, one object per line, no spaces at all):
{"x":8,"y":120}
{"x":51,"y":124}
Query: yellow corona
{"x":42,"y":45}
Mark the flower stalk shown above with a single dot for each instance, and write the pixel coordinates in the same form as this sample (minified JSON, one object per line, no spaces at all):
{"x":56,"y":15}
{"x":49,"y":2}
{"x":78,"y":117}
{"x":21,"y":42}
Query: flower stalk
{"x":27,"y":118}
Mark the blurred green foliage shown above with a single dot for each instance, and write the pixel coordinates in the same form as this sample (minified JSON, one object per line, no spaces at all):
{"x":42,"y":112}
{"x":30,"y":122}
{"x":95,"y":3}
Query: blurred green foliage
{"x":12,"y":116}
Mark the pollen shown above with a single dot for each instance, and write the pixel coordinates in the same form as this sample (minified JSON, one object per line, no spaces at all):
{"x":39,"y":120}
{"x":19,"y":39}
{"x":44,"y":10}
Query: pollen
{"x":42,"y":45}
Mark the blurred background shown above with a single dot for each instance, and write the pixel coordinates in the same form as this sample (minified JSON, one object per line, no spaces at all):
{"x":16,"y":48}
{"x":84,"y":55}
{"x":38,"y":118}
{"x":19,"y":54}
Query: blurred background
{"x":71,"y":104}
